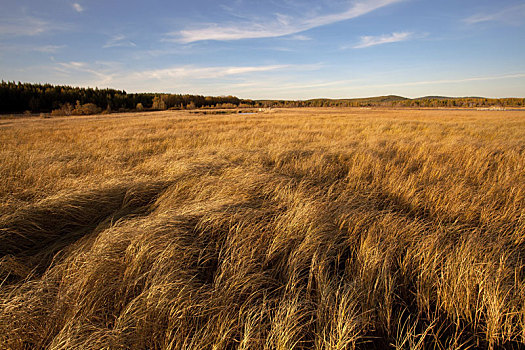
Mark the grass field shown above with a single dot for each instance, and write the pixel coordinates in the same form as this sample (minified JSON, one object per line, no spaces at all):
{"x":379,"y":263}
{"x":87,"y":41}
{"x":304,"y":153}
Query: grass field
{"x":305,"y":228}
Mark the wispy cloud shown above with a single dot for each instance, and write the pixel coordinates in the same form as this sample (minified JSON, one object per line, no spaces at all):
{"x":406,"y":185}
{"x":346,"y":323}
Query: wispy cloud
{"x":360,"y":83}
{"x":269,"y":88}
{"x":416,"y":83}
{"x":280,"y":25}
{"x":24,"y":48}
{"x":119,"y":41}
{"x":204,"y":72}
{"x":25,"y":26}
{"x":268,"y":81}
{"x":513,"y":15}
{"x":367,"y":41}
{"x":455,"y":81}
{"x":189,"y":78}
{"x":77,"y":7}
{"x":48,"y":48}
{"x":300,"y":37}
{"x":100,"y":73}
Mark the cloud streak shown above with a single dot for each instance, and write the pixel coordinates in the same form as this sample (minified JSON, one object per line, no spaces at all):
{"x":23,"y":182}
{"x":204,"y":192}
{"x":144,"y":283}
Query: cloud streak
{"x":281,"y":25}
{"x":204,"y":72}
{"x":359,"y":83}
{"x":48,"y":48}
{"x":368,"y":41}
{"x":25,"y":48}
{"x":513,"y":15}
{"x":119,"y":41}
{"x":104,"y":72}
{"x":455,"y":81}
{"x":424,"y":82}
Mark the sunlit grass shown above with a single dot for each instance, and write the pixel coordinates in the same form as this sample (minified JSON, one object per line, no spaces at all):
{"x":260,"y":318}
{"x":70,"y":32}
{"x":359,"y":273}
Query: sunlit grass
{"x":307,"y":228}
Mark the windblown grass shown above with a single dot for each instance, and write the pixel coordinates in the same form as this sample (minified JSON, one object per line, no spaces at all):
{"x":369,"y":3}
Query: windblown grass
{"x":322,"y":228}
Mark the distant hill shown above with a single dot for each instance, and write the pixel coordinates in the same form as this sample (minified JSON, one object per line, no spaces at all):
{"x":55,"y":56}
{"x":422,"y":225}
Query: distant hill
{"x":376,"y":99}
{"x":434,"y":97}
{"x":445,"y":98}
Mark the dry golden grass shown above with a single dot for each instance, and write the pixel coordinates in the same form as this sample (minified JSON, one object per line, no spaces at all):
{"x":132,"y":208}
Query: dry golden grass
{"x":321,"y":228}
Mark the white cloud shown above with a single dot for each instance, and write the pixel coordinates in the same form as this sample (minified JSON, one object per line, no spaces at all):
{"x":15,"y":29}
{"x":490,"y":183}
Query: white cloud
{"x":74,"y":64}
{"x":78,"y":7}
{"x":513,"y":15}
{"x":367,"y":41}
{"x":281,"y":25}
{"x":119,"y":41}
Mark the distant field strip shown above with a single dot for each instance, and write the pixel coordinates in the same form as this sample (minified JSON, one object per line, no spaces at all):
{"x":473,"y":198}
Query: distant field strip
{"x":304,"y":228}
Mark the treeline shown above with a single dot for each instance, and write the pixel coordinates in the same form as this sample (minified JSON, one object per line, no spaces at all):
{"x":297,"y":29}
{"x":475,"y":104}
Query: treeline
{"x":66,"y":100}
{"x":177,"y":101}
{"x":46,"y":98}
{"x":398,"y":101}
{"x":38,"y":98}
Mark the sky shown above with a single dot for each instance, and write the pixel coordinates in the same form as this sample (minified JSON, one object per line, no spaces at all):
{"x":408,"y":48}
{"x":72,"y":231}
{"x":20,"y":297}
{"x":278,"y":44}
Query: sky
{"x":273,"y":49}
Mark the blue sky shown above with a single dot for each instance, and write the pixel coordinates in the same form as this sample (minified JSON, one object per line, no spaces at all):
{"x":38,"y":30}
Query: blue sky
{"x":282,"y":49}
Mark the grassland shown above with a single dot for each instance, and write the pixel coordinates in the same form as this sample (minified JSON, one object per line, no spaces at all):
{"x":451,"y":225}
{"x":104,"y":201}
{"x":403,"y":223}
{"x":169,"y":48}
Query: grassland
{"x":310,"y":228}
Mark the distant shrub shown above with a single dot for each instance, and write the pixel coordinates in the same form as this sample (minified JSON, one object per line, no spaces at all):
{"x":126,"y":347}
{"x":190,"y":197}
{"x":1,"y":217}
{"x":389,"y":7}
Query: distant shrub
{"x":226,"y":105}
{"x":86,"y":109}
{"x":64,"y":110}
{"x":139,"y":107}
{"x":57,"y":113}
{"x":191,"y":105}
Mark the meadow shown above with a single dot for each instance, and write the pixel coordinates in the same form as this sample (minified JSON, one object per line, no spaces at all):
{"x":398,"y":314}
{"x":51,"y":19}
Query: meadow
{"x":303,"y":228}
